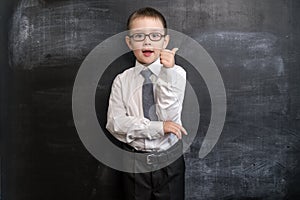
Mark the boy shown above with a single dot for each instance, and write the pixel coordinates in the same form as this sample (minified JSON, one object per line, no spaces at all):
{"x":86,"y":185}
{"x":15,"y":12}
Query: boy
{"x":145,"y":108}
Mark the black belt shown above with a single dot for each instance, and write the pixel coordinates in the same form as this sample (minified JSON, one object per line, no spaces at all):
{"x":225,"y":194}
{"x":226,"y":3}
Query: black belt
{"x":162,"y":156}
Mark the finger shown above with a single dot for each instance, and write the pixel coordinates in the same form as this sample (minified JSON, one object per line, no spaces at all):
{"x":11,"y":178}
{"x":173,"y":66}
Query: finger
{"x":183,"y":131}
{"x":176,"y":125}
{"x":167,"y":55}
{"x":166,"y":51}
{"x":165,"y":61}
{"x":162,"y":61}
{"x":178,"y":133}
{"x":175,"y":131}
{"x":174,"y":50}
{"x":181,"y":128}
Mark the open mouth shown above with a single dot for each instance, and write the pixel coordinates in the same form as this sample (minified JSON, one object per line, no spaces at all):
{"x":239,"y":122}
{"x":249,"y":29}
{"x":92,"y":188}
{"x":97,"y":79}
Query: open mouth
{"x":147,"y":52}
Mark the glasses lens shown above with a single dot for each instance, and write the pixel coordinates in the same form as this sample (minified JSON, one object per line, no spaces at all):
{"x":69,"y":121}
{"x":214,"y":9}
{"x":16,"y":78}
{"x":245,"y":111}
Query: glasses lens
{"x":138,"y":36}
{"x":155,"y":36}
{"x":141,"y":36}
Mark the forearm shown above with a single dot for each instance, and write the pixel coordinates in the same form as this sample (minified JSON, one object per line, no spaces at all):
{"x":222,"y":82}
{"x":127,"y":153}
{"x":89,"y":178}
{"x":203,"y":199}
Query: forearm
{"x":170,"y":93}
{"x":134,"y":128}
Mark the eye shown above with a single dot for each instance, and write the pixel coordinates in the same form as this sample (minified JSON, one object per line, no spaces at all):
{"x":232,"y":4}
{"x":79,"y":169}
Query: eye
{"x":155,"y":35}
{"x":138,"y":36}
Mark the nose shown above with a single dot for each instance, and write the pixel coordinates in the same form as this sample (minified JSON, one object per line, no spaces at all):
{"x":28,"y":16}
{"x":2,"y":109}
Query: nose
{"x":147,"y":40}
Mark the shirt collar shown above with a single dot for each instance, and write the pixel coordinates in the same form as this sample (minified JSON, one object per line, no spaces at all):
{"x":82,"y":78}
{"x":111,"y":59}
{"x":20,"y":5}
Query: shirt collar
{"x":154,"y":67}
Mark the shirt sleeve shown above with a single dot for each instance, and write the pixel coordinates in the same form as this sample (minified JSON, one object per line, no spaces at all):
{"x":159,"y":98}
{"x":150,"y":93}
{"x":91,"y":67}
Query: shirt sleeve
{"x":169,"y":92}
{"x":119,"y":123}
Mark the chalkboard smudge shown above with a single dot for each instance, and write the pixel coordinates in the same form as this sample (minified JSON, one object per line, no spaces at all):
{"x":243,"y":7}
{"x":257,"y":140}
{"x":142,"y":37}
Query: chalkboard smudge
{"x":68,"y":31}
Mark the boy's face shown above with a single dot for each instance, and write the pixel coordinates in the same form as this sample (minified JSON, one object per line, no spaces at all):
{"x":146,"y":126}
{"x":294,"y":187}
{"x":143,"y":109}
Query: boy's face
{"x":147,"y":51}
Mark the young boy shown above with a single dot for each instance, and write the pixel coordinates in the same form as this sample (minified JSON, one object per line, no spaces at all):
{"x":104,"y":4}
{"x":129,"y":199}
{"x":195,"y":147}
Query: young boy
{"x":145,"y":108}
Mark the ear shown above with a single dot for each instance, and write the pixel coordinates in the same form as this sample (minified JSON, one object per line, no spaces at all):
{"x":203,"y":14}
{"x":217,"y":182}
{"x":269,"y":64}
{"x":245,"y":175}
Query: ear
{"x":128,"y":42}
{"x":166,"y":41}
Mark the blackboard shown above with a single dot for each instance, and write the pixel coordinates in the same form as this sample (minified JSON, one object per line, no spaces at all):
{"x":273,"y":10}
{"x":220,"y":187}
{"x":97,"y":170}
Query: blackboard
{"x":255,"y":45}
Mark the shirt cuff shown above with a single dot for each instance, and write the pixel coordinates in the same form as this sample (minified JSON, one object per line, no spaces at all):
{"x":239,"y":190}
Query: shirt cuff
{"x":157,"y":128}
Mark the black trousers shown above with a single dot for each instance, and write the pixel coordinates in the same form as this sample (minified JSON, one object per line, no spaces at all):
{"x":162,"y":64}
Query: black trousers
{"x":163,"y":184}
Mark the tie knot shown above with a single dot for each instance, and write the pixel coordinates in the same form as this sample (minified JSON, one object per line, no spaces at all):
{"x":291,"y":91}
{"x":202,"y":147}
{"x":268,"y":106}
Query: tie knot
{"x":146,"y":73}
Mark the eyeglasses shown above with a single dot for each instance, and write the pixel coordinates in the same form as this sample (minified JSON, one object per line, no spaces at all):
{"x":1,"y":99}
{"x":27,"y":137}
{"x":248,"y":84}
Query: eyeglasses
{"x":138,"y":37}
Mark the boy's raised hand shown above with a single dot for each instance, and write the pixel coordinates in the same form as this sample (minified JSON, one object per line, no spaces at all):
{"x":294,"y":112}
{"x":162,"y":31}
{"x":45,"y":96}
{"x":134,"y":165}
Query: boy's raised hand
{"x":167,"y":57}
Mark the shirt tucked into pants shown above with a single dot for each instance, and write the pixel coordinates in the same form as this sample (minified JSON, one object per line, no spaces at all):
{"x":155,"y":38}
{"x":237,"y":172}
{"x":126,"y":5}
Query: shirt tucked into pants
{"x":166,"y":183}
{"x":130,"y":124}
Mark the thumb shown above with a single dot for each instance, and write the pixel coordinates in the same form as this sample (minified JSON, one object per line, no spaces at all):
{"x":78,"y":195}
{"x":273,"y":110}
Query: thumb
{"x":174,"y":50}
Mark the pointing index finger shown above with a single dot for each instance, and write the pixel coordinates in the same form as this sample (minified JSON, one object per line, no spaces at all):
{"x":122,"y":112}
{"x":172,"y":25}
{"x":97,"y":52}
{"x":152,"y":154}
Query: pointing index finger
{"x":173,"y":51}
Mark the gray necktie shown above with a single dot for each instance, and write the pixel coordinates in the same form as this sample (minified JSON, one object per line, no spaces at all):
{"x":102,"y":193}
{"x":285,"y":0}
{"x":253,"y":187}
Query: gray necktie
{"x":148,"y":96}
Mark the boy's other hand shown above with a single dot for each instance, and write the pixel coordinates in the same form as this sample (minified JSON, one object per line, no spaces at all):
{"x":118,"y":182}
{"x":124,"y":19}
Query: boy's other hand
{"x":174,"y":128}
{"x":167,"y":57}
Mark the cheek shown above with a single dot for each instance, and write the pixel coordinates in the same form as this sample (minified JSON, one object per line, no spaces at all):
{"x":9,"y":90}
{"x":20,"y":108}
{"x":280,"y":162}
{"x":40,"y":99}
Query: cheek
{"x":136,"y":46}
{"x":140,"y":45}
{"x":159,"y":45}
{"x":137,"y":53}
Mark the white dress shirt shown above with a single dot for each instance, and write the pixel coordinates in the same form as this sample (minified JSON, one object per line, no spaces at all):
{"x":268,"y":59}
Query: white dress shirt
{"x":125,"y":118}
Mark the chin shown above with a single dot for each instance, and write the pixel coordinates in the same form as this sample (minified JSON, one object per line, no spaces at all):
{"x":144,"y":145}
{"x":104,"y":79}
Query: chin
{"x":148,"y":61}
{"x":145,"y":60}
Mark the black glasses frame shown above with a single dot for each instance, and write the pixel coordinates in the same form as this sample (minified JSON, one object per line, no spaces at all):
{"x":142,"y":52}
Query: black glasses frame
{"x":145,"y":35}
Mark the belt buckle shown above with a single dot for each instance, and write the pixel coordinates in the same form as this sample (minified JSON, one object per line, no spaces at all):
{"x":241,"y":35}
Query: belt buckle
{"x":149,"y":159}
{"x":162,"y":157}
{"x":159,"y":156}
